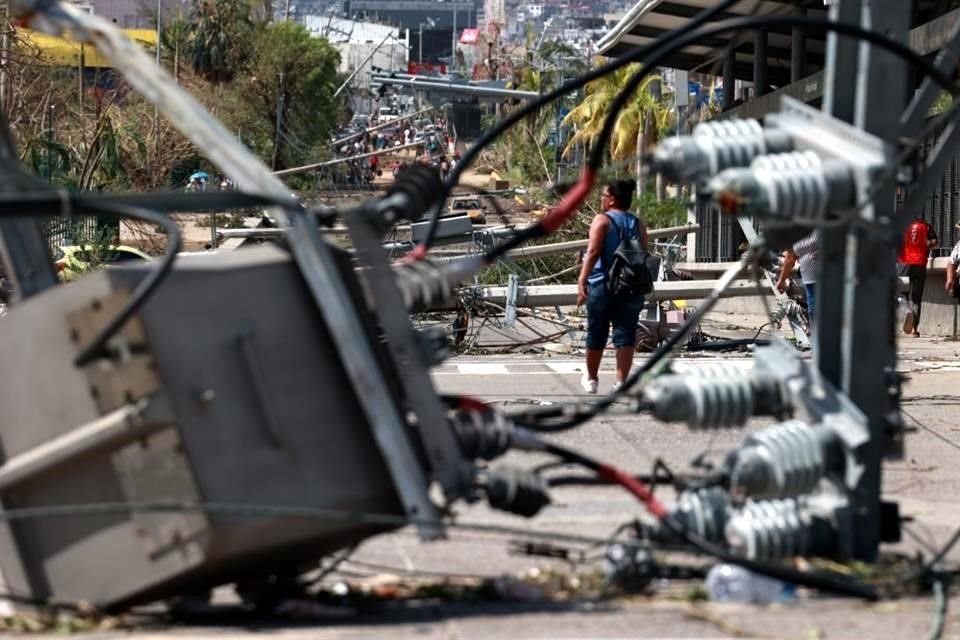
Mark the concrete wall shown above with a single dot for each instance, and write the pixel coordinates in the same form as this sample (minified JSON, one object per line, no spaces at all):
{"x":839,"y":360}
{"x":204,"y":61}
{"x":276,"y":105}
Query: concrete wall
{"x":938,"y":307}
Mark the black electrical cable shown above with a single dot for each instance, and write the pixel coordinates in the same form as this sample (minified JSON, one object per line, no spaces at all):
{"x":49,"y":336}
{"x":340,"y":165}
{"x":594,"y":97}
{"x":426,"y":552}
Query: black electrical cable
{"x":822,"y":581}
{"x":941,"y":592}
{"x":518,"y":115}
{"x":145,"y":288}
{"x":930,"y":566}
{"x":681,"y":38}
{"x":593,"y":481}
{"x":684,"y":39}
{"x":47,"y":201}
{"x":591,"y":410}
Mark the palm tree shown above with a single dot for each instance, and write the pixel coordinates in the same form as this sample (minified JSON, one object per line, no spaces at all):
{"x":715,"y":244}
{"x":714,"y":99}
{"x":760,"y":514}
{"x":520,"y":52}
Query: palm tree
{"x":638,"y":125}
{"x":176,"y":37}
{"x":220,"y":37}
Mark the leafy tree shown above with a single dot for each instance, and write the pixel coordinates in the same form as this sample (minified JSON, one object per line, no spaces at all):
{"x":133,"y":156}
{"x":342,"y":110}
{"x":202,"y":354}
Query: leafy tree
{"x":295,"y":73}
{"x":220,"y":36}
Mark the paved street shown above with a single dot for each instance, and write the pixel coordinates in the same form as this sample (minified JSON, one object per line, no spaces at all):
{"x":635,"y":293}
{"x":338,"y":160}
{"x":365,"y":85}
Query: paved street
{"x":926,"y":483}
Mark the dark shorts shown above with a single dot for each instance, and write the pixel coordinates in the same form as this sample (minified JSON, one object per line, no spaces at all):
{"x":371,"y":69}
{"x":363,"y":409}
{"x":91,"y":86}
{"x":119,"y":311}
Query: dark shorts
{"x":602,"y":311}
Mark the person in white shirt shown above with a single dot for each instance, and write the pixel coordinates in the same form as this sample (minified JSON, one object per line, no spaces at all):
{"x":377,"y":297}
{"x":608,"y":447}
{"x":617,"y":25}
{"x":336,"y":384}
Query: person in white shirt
{"x":952,"y":286}
{"x":805,"y":252}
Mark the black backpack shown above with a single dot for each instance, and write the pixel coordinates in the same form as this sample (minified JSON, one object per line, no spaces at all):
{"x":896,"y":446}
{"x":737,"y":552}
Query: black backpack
{"x":633,"y":270}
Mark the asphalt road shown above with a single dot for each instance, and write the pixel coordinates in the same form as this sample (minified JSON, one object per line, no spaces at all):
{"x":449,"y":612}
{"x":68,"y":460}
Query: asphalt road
{"x":926,"y":483}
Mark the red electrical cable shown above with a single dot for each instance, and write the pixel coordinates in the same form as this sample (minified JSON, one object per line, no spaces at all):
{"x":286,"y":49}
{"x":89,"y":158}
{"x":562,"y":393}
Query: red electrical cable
{"x":555,"y":219}
{"x":614,"y":475}
{"x":570,"y":202}
{"x":634,"y":486}
{"x":469,"y":403}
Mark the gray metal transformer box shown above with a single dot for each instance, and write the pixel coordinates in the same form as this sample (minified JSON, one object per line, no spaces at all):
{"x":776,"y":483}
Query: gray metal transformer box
{"x":263,"y":416}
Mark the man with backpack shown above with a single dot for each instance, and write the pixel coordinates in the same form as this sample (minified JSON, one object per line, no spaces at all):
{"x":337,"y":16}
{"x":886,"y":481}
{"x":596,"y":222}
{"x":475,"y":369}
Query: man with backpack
{"x":613,"y":280}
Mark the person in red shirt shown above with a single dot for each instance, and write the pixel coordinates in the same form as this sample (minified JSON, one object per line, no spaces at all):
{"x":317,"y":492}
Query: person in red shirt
{"x":918,"y":240}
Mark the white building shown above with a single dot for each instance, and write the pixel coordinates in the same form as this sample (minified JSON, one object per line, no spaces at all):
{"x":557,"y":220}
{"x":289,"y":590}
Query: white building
{"x":362,"y":46}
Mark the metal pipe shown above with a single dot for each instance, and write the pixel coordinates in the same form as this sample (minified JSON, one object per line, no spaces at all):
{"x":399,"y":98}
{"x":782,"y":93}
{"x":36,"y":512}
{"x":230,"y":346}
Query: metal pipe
{"x":277,"y":233}
{"x":457,"y":88}
{"x":538,"y":251}
{"x":126,"y":424}
{"x":327,"y":163}
{"x":566,"y":294}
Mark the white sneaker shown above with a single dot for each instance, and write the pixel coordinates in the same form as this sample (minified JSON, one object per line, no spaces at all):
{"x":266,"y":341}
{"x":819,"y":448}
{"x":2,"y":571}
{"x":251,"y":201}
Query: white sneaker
{"x":616,"y":386}
{"x":590,"y":386}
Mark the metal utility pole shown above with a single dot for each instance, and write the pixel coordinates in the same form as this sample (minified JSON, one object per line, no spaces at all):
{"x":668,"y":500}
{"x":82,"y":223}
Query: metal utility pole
{"x":868,"y":342}
{"x":855,"y":281}
{"x":840,"y":76}
{"x":279,"y":125}
{"x":156,"y":109}
{"x":420,"y":42}
{"x":80,"y":65}
{"x":4,"y":57}
{"x":360,"y":66}
{"x":50,"y":143}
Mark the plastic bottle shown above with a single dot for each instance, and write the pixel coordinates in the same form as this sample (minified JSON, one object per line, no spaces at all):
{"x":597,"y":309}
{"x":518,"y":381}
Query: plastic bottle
{"x":730,"y":583}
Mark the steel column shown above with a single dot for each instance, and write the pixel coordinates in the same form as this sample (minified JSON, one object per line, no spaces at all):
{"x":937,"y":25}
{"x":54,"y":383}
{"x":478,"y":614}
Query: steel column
{"x":760,"y":83}
{"x":729,"y":79}
{"x":868,"y":342}
{"x":840,"y":78}
{"x":798,"y":50}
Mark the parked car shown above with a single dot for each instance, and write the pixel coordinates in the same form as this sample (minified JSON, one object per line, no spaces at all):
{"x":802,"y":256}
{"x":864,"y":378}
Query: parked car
{"x":386,"y":114}
{"x":73,"y":260}
{"x":469,"y":206}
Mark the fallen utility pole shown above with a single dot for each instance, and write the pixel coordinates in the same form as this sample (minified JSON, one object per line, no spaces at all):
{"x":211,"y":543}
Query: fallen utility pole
{"x":362,"y":64}
{"x":382,"y":125}
{"x":274,"y":232}
{"x":328,"y":163}
{"x":454,"y":87}
{"x":556,"y":248}
{"x":551,"y":295}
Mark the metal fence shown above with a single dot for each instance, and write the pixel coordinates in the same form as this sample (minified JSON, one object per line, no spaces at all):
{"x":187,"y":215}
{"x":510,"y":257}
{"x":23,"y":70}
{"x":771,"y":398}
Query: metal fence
{"x":719,"y":236}
{"x":59,"y":232}
{"x":942,"y":209}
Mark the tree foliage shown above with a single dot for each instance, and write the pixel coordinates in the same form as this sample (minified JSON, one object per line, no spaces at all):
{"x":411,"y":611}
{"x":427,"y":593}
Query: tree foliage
{"x":295,"y":73}
{"x":631,"y":126}
{"x":220,"y":35}
{"x":106,"y":137}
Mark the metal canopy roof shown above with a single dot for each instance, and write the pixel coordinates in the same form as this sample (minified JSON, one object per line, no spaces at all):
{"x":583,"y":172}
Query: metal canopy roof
{"x":650,"y":18}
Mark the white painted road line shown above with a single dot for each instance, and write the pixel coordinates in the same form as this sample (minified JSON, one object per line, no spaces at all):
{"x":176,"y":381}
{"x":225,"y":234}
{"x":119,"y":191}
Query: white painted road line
{"x":482,"y":368}
{"x":565,"y":367}
{"x":559,"y":367}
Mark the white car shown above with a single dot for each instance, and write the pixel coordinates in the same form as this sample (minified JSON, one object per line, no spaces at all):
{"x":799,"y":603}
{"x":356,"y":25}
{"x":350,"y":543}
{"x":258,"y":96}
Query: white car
{"x":386,"y":114}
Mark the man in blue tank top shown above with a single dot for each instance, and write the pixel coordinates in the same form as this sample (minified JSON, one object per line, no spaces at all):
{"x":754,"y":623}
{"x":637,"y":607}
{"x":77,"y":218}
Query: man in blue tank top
{"x":602,"y":308}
